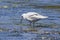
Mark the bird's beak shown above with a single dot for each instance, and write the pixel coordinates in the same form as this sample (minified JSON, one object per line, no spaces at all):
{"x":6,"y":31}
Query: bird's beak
{"x":21,"y":19}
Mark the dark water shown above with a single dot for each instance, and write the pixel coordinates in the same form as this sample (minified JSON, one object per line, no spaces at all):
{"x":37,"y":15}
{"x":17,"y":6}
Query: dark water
{"x":47,"y":29}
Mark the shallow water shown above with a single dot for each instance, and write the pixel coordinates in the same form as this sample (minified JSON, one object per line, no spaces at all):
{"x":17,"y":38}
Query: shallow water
{"x":12,"y":29}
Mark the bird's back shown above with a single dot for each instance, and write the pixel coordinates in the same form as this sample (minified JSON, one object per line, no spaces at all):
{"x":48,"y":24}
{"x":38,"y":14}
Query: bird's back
{"x":31,"y":16}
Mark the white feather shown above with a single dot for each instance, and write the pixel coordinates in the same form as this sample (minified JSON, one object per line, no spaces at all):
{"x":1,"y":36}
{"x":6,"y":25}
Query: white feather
{"x":33,"y":16}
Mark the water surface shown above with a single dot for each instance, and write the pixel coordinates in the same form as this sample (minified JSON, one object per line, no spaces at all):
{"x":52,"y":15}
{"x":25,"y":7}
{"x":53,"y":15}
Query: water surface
{"x":12,"y":29}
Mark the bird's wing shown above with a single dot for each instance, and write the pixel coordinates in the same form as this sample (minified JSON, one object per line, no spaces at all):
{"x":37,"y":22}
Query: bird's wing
{"x":33,"y":18}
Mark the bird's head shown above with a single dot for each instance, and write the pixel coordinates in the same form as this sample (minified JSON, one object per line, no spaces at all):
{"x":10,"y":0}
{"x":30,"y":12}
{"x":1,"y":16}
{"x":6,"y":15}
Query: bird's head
{"x":23,"y":16}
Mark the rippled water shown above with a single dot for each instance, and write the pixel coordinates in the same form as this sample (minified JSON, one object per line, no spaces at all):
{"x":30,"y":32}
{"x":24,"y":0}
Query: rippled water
{"x":12,"y":29}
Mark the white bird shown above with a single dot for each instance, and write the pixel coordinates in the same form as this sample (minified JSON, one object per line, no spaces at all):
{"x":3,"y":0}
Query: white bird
{"x":32,"y":17}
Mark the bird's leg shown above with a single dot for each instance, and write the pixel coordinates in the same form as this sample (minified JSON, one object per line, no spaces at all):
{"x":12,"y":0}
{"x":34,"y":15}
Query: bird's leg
{"x":33,"y":24}
{"x":30,"y":23}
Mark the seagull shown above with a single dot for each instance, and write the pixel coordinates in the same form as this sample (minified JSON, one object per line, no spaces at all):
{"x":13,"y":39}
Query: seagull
{"x":32,"y":17}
